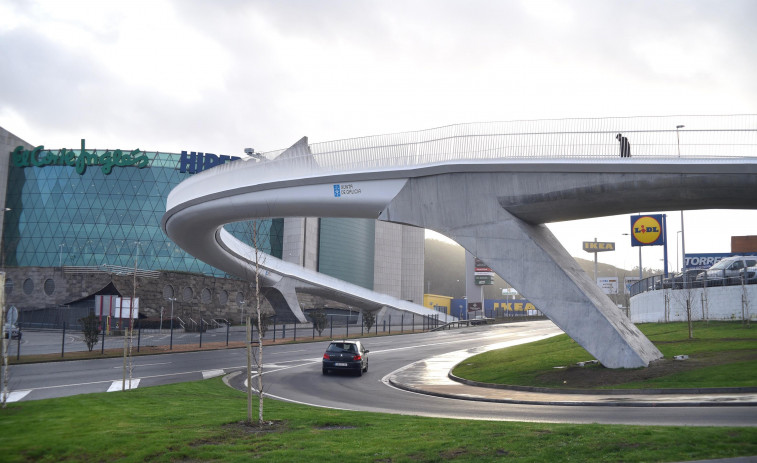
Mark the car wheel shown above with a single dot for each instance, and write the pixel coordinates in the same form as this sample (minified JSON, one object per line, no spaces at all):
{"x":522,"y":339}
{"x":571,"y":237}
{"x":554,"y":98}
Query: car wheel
{"x":366,"y":368}
{"x":360,"y":372}
{"x":325,"y":371}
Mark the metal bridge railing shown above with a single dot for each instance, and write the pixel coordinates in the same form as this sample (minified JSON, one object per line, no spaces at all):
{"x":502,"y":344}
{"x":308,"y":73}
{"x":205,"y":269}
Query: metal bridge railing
{"x":704,"y":279}
{"x":587,"y":140}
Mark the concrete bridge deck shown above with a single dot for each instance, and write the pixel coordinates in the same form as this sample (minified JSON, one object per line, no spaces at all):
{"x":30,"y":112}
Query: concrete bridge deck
{"x":492,"y":192}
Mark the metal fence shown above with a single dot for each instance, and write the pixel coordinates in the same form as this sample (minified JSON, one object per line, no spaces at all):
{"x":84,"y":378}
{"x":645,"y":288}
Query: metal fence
{"x":700,"y":279}
{"x":185,"y":334}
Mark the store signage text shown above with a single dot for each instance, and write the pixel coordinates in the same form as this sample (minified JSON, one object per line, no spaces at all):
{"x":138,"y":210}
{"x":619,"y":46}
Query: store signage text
{"x":194,"y":162}
{"x":346,"y":189}
{"x":598,"y":246}
{"x":514,"y":306}
{"x":646,"y":230}
{"x":39,"y":157}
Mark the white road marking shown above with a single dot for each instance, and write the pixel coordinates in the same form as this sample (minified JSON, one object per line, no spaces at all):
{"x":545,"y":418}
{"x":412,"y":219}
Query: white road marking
{"x":211,"y":373}
{"x":118,"y":385}
{"x":15,"y":396}
{"x":143,"y":365}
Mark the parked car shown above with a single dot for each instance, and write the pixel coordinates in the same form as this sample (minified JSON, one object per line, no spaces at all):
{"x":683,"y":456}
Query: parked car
{"x":11,"y":330}
{"x":346,"y":356}
{"x":749,"y":275}
{"x":689,"y":277}
{"x":727,"y":271}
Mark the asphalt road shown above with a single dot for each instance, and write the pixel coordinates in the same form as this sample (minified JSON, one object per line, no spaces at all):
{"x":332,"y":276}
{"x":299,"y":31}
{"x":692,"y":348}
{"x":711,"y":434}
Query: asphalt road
{"x":293,"y":373}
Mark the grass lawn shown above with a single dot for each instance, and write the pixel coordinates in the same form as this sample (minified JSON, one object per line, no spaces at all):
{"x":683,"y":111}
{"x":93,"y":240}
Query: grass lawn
{"x":202,"y":421}
{"x":721,"y":354}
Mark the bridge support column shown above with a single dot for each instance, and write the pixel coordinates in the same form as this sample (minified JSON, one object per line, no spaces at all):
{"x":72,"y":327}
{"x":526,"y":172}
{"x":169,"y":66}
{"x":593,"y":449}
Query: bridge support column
{"x":528,"y":257}
{"x":283,"y":298}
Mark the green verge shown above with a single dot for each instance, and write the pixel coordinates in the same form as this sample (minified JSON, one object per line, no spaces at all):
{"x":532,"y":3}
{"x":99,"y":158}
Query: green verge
{"x":201,"y":421}
{"x":721,"y":354}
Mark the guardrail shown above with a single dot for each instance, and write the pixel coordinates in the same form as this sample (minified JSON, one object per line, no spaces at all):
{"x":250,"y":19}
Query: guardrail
{"x":566,"y":140}
{"x":704,"y":279}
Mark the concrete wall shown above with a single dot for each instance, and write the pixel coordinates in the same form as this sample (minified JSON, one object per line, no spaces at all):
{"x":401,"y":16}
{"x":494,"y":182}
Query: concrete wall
{"x":30,"y":288}
{"x":301,"y":241}
{"x":398,"y":264}
{"x":387,"y":264}
{"x":719,"y":303}
{"x":413,"y":253}
{"x":197,"y":295}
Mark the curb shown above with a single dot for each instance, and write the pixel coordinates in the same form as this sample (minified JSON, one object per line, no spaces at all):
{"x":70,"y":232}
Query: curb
{"x":548,"y":390}
{"x":578,"y":403}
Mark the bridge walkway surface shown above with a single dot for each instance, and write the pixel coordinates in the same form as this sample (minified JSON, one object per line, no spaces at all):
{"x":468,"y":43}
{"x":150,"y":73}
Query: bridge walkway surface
{"x":491,"y":187}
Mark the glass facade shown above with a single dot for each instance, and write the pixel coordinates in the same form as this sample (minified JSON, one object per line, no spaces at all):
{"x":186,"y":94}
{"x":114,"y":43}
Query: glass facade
{"x":346,"y":249}
{"x":57,"y":217}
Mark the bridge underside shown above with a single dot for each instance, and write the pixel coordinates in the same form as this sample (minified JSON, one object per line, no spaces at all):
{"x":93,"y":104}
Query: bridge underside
{"x":474,"y":209}
{"x":496,"y":209}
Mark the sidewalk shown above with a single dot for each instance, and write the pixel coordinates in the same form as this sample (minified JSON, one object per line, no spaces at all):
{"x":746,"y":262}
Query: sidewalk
{"x":432,"y":376}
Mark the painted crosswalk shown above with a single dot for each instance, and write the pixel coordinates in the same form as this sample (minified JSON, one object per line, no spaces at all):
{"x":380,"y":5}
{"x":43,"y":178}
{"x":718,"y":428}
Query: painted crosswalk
{"x":15,"y":396}
{"x":120,"y":385}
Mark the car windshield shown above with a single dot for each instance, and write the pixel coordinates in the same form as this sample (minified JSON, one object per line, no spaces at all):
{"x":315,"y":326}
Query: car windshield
{"x":722,"y":264}
{"x":342,"y":347}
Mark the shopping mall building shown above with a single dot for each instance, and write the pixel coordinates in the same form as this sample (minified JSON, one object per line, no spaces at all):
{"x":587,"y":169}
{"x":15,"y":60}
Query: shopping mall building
{"x":79,"y":221}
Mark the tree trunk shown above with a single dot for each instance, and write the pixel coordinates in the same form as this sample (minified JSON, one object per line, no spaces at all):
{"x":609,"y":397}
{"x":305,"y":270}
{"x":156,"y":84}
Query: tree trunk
{"x":249,"y":368}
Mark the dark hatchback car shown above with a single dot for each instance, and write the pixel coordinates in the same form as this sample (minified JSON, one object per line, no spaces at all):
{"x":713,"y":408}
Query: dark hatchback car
{"x":346,"y":356}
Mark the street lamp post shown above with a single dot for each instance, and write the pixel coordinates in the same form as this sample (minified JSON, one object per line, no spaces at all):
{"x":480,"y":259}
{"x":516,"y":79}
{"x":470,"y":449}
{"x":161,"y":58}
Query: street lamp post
{"x":640,"y":271}
{"x":683,"y":235}
{"x":60,"y":254}
{"x":172,"y":299}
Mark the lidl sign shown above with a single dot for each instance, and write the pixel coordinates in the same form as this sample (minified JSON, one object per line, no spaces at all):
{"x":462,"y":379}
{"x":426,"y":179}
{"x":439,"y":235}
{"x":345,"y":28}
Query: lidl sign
{"x":647,"y":230}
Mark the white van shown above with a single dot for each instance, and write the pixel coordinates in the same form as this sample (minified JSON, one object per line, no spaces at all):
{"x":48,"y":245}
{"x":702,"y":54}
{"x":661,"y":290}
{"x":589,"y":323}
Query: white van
{"x":727,"y":271}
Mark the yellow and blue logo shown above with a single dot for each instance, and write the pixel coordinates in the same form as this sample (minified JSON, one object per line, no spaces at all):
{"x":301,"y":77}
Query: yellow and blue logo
{"x":646,"y":230}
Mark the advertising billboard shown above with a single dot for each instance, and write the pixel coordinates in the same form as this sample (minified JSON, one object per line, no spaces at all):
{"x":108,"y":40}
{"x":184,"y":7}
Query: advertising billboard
{"x":703,"y":261}
{"x":648,"y":230}
{"x":609,"y":285}
{"x":598,"y":246}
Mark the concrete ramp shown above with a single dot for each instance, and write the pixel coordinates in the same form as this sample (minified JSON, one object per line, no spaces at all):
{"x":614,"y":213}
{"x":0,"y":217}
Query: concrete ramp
{"x":491,"y":190}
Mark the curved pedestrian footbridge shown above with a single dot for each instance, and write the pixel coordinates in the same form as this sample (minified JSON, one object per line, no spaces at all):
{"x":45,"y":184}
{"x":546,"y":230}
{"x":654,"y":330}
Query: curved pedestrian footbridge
{"x":491,"y":187}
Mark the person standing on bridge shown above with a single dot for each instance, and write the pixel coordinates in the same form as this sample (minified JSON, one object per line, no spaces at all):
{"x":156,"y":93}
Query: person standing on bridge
{"x":625,"y":147}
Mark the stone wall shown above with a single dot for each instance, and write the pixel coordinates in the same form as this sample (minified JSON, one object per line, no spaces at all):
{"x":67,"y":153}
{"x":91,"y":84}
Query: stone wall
{"x":197,"y":296}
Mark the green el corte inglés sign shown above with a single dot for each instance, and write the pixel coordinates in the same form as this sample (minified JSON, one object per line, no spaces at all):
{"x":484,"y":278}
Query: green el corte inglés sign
{"x":39,"y":157}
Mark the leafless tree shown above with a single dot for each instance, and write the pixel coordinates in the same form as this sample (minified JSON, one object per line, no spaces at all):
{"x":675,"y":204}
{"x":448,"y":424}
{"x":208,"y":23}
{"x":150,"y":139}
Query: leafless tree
{"x":255,"y":352}
{"x":745,"y":316}
{"x":685,"y":297}
{"x":4,"y":340}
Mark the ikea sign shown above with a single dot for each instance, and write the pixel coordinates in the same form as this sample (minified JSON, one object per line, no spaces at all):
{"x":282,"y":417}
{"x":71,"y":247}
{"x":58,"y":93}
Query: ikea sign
{"x":598,"y":246}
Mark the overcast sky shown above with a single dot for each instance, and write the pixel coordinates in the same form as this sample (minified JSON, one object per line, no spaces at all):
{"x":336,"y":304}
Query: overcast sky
{"x":219,"y":76}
